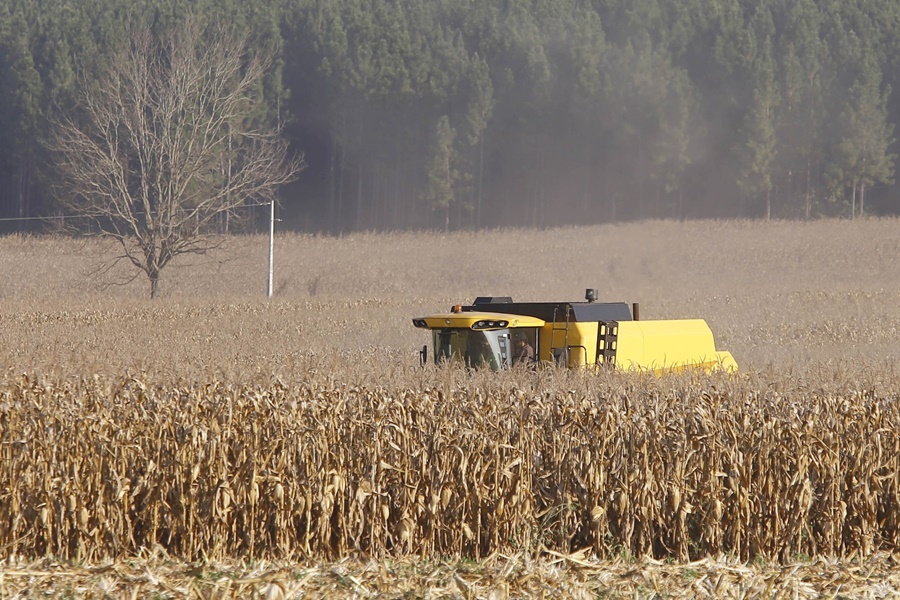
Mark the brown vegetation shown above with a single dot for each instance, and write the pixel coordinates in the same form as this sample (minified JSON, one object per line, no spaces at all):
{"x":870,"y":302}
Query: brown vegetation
{"x":496,"y":578}
{"x":162,"y":146}
{"x":447,"y":464}
{"x":215,"y":424}
{"x":780,"y":293}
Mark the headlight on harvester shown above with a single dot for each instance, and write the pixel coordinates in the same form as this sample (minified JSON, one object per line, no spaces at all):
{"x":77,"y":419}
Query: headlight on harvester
{"x":420,"y":323}
{"x":490,"y":324}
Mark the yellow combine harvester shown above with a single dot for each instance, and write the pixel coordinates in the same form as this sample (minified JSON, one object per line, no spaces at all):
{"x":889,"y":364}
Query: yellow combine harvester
{"x":497,"y":333}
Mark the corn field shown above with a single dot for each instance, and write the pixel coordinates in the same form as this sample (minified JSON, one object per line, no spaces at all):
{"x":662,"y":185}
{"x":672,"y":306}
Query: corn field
{"x":216,"y":444}
{"x":683,"y":467}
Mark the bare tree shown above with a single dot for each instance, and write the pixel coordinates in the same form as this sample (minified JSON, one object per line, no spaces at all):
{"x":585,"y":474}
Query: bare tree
{"x":169,"y":142}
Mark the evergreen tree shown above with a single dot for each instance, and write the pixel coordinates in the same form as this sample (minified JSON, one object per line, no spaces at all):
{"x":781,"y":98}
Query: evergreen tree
{"x":479,"y":109}
{"x":802,"y":108}
{"x":863,"y":151}
{"x":564,"y":110}
{"x":757,"y":150}
{"x":442,"y":174}
{"x":21,"y":90}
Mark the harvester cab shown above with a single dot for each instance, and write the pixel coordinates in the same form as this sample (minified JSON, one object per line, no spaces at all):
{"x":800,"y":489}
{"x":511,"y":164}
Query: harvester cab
{"x":497,"y":333}
{"x":477,"y":336}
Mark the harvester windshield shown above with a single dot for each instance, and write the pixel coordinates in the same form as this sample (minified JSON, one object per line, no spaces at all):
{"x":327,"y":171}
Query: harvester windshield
{"x":476,"y":349}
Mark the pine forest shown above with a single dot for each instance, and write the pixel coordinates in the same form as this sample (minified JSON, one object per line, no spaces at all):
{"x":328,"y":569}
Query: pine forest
{"x":461,"y":114}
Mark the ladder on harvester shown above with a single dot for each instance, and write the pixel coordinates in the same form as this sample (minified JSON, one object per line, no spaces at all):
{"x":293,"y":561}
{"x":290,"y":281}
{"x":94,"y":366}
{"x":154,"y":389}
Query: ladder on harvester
{"x":560,"y":353}
{"x":607,"y":339}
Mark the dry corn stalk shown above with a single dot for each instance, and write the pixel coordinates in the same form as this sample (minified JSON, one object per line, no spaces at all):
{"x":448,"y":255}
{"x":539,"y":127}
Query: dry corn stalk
{"x":681,"y":468}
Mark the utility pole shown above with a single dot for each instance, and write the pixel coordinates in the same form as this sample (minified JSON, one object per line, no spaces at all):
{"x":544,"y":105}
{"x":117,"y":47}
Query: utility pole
{"x":271,"y":249}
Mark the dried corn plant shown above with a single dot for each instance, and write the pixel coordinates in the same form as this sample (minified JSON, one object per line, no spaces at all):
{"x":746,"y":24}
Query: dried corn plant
{"x":444,"y":463}
{"x":572,"y":576}
{"x":213,"y":424}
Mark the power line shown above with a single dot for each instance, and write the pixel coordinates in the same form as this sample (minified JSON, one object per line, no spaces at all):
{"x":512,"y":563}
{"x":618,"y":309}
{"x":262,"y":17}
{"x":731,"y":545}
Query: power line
{"x":92,"y":216}
{"x":29,"y":218}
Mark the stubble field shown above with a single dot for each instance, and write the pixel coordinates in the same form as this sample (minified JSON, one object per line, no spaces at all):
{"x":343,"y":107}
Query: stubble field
{"x":294,"y":445}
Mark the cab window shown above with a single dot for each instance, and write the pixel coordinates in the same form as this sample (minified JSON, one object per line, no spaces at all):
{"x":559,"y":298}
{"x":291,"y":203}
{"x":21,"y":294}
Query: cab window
{"x":475,"y":349}
{"x":524,"y":346}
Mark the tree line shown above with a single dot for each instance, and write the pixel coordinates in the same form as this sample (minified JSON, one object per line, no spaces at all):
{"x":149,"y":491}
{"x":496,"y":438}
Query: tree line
{"x":456,"y":114}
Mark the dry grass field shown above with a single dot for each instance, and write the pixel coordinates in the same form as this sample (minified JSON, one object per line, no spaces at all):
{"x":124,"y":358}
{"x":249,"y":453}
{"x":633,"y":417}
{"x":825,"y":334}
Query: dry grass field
{"x":778,"y":293}
{"x":139,"y":439}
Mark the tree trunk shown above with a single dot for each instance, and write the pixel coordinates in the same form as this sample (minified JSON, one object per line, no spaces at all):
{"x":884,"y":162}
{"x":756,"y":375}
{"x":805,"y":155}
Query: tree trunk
{"x":641,"y":173}
{"x":862,"y":200}
{"x":807,"y":204}
{"x":459,"y":223}
{"x":449,"y":186}
{"x":359,"y":178}
{"x":853,"y":203}
{"x":480,"y":181}
{"x":359,"y":193}
{"x":23,"y":193}
{"x":340,"y":189}
{"x":332,"y":185}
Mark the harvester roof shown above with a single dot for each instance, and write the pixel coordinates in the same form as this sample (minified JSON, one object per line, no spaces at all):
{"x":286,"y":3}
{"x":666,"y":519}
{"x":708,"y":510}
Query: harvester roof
{"x":477,"y":320}
{"x":555,"y":311}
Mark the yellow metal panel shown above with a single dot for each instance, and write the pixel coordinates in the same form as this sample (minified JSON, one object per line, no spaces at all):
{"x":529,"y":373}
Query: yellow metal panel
{"x":545,"y":353}
{"x":667,"y":345}
{"x":582,"y":343}
{"x":578,"y":338}
{"x":630,"y":345}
